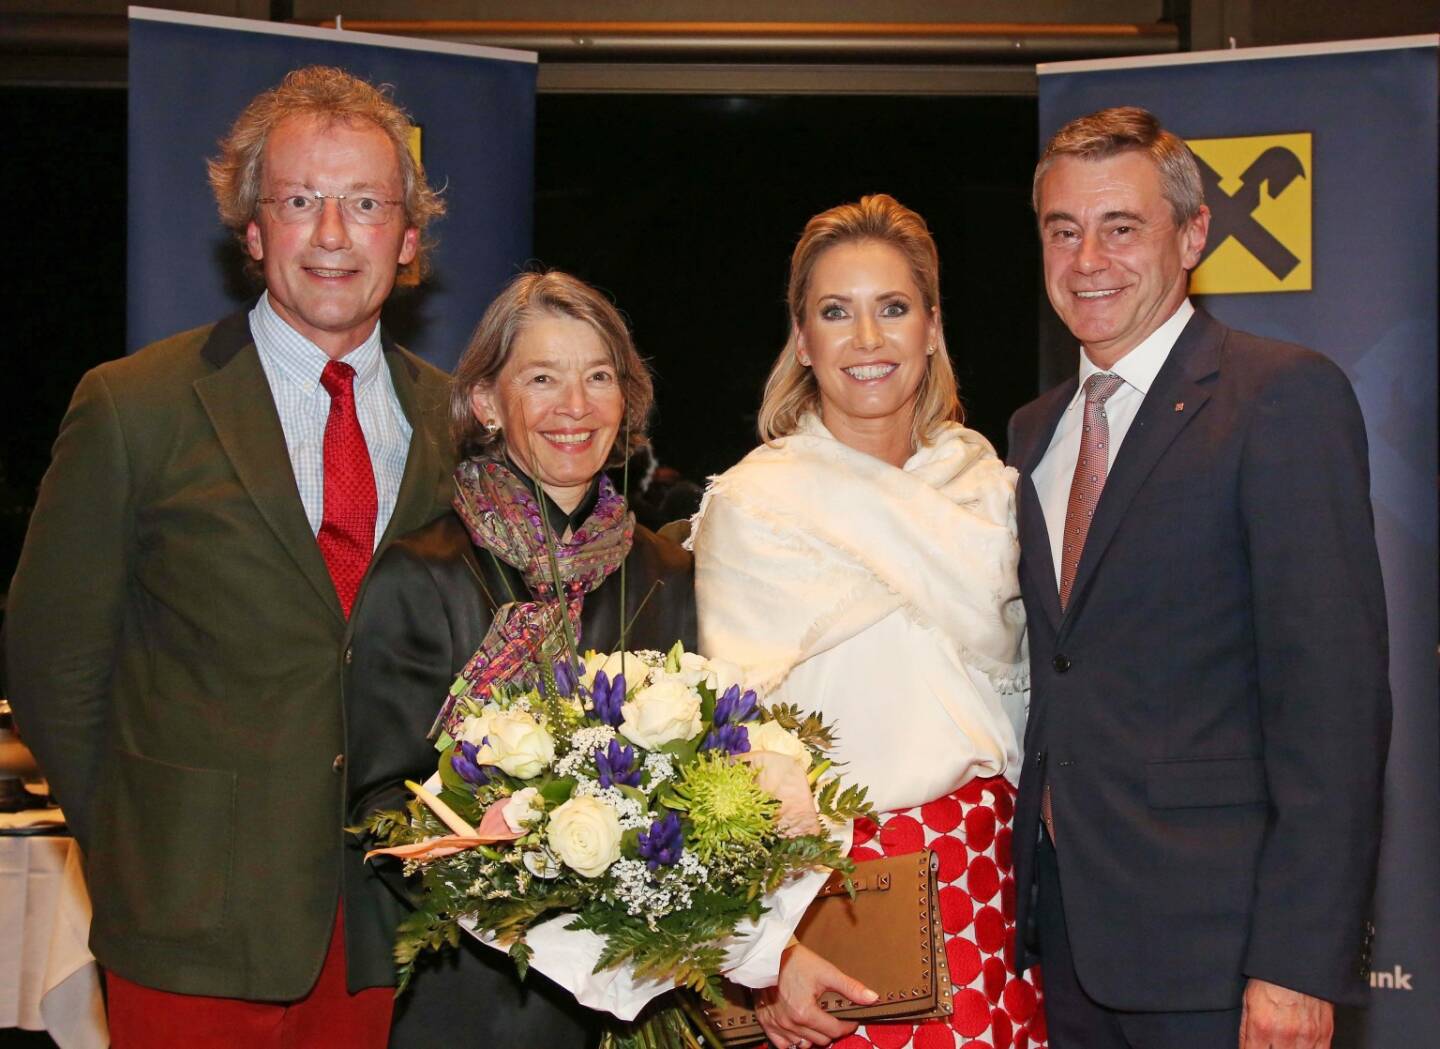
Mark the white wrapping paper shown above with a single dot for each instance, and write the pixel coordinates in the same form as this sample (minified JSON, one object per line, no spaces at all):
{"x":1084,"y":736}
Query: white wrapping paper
{"x":568,"y":956}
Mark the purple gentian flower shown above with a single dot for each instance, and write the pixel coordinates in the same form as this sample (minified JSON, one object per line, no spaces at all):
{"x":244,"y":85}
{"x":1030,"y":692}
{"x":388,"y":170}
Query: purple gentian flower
{"x":732,"y":739}
{"x":463,"y":761}
{"x":733,"y":708}
{"x":616,"y":765}
{"x":663,"y":843}
{"x":606,"y":698}
{"x":565,"y":677}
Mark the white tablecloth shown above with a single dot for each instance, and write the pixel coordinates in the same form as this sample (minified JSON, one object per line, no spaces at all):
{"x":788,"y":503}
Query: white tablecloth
{"x":48,"y":977}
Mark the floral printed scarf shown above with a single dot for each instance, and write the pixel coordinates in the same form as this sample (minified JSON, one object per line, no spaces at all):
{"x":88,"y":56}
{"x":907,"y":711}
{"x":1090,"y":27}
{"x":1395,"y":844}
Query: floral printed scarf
{"x":503,"y":516}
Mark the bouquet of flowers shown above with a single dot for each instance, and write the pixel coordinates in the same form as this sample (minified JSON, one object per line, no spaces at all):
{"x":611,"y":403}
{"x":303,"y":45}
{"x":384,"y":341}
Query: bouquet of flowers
{"x":647,"y":797}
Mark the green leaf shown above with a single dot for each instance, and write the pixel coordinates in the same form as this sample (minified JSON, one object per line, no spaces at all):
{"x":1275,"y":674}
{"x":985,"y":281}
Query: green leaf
{"x":683,"y":750}
{"x":558,"y":791}
{"x":520,"y":954}
{"x":672,"y":658}
{"x":463,"y":802}
{"x":672,"y":800}
{"x":634,"y":793}
{"x":839,"y":805}
{"x":449,"y":778}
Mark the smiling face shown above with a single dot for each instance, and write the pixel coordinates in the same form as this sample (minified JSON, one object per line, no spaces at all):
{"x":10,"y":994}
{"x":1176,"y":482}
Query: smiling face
{"x":1116,"y":264}
{"x":559,"y":403}
{"x":326,"y":277}
{"x":867,"y":336}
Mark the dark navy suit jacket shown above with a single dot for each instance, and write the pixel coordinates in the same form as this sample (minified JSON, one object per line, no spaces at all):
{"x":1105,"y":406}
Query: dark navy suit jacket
{"x":1212,"y":708}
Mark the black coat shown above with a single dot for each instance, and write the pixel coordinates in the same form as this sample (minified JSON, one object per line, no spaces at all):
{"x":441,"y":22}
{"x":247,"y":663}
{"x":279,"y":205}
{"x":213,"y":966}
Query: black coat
{"x":1211,"y":708}
{"x":424,"y":613}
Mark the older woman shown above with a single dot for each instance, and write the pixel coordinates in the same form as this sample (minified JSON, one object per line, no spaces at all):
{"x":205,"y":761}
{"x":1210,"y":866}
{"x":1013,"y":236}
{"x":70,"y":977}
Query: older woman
{"x":549,"y":392}
{"x":862,"y":563}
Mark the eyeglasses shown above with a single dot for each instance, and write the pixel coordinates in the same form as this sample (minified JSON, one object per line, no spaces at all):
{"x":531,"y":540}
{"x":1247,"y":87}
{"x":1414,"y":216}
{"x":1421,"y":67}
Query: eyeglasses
{"x":295,"y":208}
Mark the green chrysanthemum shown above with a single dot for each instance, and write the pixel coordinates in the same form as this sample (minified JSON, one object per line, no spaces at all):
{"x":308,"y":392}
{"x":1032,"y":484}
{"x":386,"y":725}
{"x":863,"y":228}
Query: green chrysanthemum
{"x":727,"y":808}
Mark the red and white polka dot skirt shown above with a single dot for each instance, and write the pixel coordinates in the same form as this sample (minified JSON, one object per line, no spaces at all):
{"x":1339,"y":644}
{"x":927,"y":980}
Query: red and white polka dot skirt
{"x":969,"y":831}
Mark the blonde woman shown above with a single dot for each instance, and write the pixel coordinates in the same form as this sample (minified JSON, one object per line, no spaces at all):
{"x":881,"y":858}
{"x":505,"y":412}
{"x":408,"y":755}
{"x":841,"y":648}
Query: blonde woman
{"x":862,"y":562}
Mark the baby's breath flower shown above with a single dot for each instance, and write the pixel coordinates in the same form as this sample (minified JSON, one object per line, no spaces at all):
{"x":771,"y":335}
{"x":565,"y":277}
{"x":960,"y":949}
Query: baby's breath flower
{"x":591,"y":737}
{"x":583,"y":744}
{"x":631,"y":812}
{"x":660,"y":766}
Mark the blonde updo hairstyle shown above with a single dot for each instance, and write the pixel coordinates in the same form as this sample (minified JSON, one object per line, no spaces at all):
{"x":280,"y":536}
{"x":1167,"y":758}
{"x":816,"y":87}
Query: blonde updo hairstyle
{"x":791,"y":390}
{"x":528,"y":297}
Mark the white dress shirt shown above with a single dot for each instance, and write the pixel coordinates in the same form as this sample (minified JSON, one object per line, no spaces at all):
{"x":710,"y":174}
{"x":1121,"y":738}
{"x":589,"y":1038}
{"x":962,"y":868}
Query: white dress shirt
{"x":292,"y":365}
{"x":1137,"y":369}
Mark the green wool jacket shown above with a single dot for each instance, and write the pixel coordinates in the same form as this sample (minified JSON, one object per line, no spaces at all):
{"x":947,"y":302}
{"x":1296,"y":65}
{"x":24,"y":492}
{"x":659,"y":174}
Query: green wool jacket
{"x":175,"y":651}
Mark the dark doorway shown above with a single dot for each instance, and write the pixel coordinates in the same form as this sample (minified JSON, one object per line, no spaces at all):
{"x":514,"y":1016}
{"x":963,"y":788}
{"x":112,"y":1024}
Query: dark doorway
{"x":685,"y":208}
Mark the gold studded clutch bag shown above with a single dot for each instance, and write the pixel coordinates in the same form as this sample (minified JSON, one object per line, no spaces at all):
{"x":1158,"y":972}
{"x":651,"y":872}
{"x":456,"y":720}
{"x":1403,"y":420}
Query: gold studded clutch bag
{"x":887,"y":936}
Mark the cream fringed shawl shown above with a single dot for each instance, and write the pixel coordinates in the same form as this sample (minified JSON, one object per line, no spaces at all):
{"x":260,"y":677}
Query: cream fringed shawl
{"x":885,"y":598}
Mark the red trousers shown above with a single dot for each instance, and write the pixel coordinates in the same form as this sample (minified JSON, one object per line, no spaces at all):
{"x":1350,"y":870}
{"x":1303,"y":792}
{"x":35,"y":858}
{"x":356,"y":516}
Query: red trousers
{"x":329,"y":1017}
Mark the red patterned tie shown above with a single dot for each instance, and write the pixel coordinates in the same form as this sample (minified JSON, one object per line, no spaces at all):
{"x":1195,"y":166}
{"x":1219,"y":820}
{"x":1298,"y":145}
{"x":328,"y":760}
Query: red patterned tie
{"x":347,"y":532}
{"x":1089,"y":480}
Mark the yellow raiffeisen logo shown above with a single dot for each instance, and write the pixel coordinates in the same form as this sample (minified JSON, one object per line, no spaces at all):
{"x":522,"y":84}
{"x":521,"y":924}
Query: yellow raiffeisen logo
{"x":1258,"y":189}
{"x":411,"y":276}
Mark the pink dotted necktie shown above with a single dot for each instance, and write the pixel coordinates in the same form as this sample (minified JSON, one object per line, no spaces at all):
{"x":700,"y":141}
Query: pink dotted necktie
{"x":1089,"y":480}
{"x":347,"y":531}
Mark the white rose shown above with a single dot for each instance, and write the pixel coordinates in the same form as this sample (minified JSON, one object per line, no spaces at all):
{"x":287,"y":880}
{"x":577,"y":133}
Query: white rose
{"x":521,"y":810}
{"x":475,"y":728}
{"x":694,"y":670}
{"x":585,"y":833}
{"x":771,"y":737}
{"x":716,"y":674}
{"x":665,"y":711}
{"x":517,"y":743}
{"x":724,"y":674}
{"x":613,"y":663}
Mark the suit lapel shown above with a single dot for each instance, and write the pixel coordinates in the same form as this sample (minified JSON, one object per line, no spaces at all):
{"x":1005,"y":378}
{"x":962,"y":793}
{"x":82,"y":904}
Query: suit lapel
{"x":241,"y":407}
{"x":1038,"y":563}
{"x":416,"y":497}
{"x":1181,"y":381}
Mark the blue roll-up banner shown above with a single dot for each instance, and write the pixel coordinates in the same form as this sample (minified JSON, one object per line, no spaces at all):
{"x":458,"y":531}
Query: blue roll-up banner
{"x":1337,"y":251}
{"x":191,"y":75}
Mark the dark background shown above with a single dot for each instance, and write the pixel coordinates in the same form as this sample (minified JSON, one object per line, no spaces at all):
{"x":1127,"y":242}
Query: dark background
{"x":684,"y":208}
{"x":63,"y":188}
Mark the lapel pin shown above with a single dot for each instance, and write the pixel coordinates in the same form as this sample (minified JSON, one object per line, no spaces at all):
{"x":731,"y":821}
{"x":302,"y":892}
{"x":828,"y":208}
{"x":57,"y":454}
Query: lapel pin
{"x":1179,"y":406}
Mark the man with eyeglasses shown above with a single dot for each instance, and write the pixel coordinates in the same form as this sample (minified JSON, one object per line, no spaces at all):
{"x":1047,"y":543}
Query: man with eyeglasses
{"x":178,"y":622}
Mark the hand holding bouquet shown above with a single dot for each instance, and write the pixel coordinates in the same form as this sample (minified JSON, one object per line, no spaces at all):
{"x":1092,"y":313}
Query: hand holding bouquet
{"x":647,"y":796}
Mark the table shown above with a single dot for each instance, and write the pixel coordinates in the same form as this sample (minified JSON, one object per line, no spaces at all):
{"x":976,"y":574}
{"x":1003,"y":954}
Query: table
{"x":48,"y":977}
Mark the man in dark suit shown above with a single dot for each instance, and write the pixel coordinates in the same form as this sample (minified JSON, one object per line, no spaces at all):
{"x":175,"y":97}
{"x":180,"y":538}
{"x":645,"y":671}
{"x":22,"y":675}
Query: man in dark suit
{"x":1199,"y":813}
{"x":177,"y":627}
